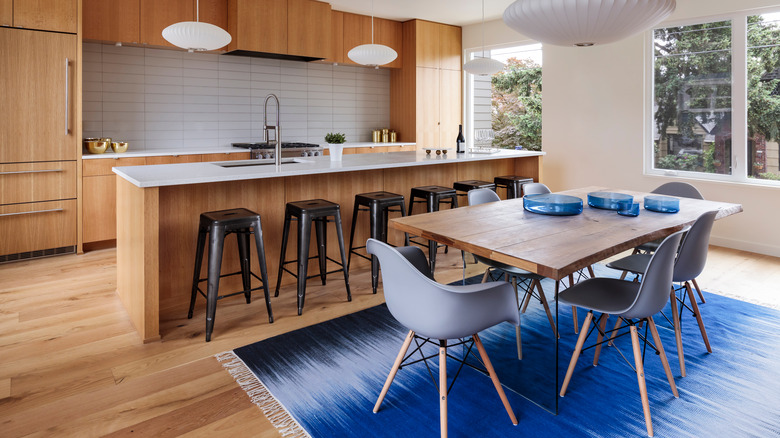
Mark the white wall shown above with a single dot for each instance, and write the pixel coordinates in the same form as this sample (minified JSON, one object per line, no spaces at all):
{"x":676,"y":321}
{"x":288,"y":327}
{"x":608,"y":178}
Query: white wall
{"x":594,"y":117}
{"x":157,"y":99}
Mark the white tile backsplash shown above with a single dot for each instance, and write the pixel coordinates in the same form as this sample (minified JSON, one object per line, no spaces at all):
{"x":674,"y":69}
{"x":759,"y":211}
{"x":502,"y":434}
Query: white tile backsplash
{"x":168,"y":99}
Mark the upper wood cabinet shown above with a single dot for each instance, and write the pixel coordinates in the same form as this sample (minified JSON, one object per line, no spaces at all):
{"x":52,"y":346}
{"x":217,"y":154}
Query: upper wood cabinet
{"x":390,"y":33}
{"x":37,"y":118}
{"x":54,"y":15}
{"x":450,"y":47}
{"x":437,"y":45}
{"x":337,"y":54}
{"x":357,"y":31}
{"x":156,"y":15}
{"x":258,"y":25}
{"x":308,"y":28}
{"x":116,"y":20}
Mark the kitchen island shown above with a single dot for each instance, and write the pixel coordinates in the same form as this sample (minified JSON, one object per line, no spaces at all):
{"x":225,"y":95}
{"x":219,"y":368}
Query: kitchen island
{"x":158,"y":209}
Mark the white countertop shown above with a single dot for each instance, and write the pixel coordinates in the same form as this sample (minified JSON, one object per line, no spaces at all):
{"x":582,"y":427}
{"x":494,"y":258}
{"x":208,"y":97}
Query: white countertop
{"x":370,"y":144}
{"x":163,"y":152}
{"x":198,"y":173}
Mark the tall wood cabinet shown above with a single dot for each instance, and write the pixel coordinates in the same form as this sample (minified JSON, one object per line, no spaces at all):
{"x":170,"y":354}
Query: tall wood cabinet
{"x":39,"y":142}
{"x":426,"y":93}
{"x":52,"y":15}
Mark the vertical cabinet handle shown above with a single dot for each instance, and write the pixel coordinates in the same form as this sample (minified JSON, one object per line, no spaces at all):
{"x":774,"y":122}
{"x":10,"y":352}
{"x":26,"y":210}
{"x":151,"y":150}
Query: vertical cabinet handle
{"x":67,"y":96}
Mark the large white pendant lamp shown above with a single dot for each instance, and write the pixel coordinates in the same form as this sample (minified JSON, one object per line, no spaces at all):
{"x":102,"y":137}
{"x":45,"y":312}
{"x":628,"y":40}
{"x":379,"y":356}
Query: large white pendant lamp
{"x":372,"y":54}
{"x":196,"y":36}
{"x":585,"y":23}
{"x":483,"y":66}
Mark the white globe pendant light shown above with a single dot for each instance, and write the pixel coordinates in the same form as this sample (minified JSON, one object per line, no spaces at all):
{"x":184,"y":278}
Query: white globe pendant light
{"x":372,"y":54}
{"x":585,"y":23}
{"x":196,"y":36}
{"x":483,"y":66}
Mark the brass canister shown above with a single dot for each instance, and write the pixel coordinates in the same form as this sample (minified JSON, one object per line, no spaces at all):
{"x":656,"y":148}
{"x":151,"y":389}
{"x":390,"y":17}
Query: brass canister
{"x":385,"y":135}
{"x":393,"y":137}
{"x":376,"y":135}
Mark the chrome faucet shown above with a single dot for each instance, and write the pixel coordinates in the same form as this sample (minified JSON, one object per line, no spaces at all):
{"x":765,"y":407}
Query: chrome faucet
{"x":275,"y":128}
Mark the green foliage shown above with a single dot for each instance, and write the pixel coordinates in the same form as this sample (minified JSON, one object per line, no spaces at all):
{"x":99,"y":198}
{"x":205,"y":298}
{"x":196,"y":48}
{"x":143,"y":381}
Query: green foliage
{"x":770,"y":176}
{"x":708,"y":157}
{"x":678,"y":162}
{"x":335,"y":138}
{"x":517,"y":105}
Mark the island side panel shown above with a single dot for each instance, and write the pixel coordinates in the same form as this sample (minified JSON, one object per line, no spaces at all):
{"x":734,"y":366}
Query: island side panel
{"x":530,"y":167}
{"x":137,"y":256}
{"x":180,"y":209}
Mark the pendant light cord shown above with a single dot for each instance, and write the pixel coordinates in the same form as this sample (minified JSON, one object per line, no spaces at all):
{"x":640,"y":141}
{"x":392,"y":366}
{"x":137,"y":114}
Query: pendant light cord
{"x":483,"y":28}
{"x":372,"y":21}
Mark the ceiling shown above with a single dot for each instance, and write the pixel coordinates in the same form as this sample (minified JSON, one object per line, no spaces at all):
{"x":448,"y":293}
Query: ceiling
{"x":457,"y":12}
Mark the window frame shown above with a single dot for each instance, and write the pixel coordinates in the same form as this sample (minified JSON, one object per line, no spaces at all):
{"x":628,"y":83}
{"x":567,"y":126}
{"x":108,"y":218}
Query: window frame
{"x":739,"y":106}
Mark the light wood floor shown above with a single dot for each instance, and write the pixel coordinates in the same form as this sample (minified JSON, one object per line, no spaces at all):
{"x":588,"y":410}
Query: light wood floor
{"x":72,"y":365}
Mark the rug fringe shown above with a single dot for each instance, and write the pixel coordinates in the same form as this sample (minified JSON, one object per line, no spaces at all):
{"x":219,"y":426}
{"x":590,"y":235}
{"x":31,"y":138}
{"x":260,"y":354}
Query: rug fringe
{"x":279,"y":417}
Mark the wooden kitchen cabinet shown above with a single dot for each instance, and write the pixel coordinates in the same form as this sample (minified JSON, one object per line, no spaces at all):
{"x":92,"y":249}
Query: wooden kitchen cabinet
{"x":35,"y":182}
{"x":174,"y":159}
{"x":156,"y":15}
{"x":450,"y":106}
{"x":437,"y":45}
{"x":98,"y":206}
{"x":53,"y":15}
{"x":37,"y":118}
{"x":390,"y":33}
{"x":337,"y":53}
{"x":6,"y":13}
{"x":308,"y":28}
{"x":206,"y":158}
{"x":116,"y":20}
{"x":357,"y":31}
{"x":36,"y":226}
{"x":258,"y":25}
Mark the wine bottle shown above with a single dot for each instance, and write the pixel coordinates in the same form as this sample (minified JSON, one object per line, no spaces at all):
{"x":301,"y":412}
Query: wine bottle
{"x":460,"y":141}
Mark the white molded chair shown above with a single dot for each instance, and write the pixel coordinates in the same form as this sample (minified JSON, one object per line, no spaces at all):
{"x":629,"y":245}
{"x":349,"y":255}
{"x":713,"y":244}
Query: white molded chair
{"x":442,"y":312}
{"x":632,"y":303}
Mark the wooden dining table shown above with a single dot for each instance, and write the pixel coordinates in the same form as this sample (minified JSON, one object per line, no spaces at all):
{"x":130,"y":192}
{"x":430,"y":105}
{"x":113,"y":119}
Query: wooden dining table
{"x":553,"y":246}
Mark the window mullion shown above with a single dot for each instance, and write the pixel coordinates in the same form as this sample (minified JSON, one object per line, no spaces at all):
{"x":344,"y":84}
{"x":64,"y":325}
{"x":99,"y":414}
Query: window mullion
{"x":739,"y":134}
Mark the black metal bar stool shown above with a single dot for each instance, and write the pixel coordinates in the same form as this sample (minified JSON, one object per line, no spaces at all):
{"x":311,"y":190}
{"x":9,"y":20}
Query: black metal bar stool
{"x":317,"y":212}
{"x":218,"y":224}
{"x":433,"y":197}
{"x":378,"y":205}
{"x":471,"y":184}
{"x":513,"y":184}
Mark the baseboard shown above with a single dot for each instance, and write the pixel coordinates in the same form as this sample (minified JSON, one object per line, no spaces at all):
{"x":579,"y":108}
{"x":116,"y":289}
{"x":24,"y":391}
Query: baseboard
{"x":742,"y":245}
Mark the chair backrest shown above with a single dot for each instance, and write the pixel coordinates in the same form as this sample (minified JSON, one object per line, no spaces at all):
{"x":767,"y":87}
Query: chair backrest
{"x":681,"y":189}
{"x":692,"y":255}
{"x":535,"y":189}
{"x":436,"y":310}
{"x":482,"y":196}
{"x":657,"y":281}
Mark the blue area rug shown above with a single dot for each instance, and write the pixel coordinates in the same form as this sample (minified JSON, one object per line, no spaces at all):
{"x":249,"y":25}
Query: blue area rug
{"x":323,"y":380}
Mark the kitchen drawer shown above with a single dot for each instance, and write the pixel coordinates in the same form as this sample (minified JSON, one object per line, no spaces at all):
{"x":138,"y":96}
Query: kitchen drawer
{"x":102,"y":166}
{"x":37,"y":226}
{"x":225,"y":157}
{"x":173,"y":159}
{"x":34,"y":182}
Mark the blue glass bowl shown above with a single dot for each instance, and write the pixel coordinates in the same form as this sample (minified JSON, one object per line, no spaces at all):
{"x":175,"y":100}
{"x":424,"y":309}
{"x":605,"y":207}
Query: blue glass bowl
{"x":662,"y":204}
{"x":553,"y":204}
{"x":630,"y":210}
{"x":609,"y":200}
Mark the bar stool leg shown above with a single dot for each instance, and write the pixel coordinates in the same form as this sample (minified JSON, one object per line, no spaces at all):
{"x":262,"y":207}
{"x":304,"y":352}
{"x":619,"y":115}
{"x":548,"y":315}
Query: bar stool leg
{"x":285,"y":235}
{"x":216,"y":240}
{"x":375,"y":223}
{"x":199,"y":247}
{"x":343,"y":255}
{"x":242,"y":237}
{"x":304,"y":236}
{"x":263,"y":268}
{"x":433,"y":246}
{"x":403,"y":214}
{"x":352,"y":234}
{"x":322,"y":246}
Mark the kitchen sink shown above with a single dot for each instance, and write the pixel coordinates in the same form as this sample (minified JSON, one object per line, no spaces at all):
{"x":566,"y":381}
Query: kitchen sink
{"x":264,"y":162}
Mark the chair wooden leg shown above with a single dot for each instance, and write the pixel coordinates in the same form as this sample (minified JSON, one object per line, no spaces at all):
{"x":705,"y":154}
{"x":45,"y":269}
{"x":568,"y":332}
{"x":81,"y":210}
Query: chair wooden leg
{"x":614,"y":331}
{"x":485,"y":275}
{"x":590,"y":271}
{"x":394,"y":370}
{"x":640,"y":377}
{"x":677,"y":332}
{"x":698,"y":317}
{"x":489,"y":366}
{"x":577,"y":351}
{"x":574,"y":316}
{"x":443,"y":387}
{"x":546,"y":305}
{"x":623,"y":275}
{"x":602,"y":325}
{"x":518,"y":335}
{"x":698,"y":290}
{"x":526,"y":299}
{"x":662,"y":353}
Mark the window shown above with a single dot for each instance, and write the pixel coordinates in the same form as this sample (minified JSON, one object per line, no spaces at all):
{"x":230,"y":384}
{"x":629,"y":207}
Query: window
{"x":712,"y":80}
{"x":509,"y":102}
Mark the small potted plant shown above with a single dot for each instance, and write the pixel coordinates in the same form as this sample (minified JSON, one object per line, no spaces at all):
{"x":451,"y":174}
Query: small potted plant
{"x":335,"y":143}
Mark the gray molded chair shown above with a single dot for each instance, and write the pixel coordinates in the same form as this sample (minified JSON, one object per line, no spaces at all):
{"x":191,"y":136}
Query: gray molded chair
{"x":682,"y":190}
{"x":632,"y":303}
{"x":690,"y":262}
{"x":436,"y":311}
{"x":530,"y":280}
{"x":535,"y":189}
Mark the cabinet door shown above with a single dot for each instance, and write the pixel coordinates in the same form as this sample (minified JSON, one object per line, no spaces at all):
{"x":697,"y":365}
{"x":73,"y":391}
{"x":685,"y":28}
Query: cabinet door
{"x":214,"y":12}
{"x":174,"y":159}
{"x":225,"y":157}
{"x":33,"y":182}
{"x":37,"y":118}
{"x":36,"y":226}
{"x":337,"y":52}
{"x":357,"y":31}
{"x":258,"y":25}
{"x":390,"y":33}
{"x":450,"y":110}
{"x":103,"y":166}
{"x":450,"y":44}
{"x":156,"y":15}
{"x":55,"y":15}
{"x":427,"y":44}
{"x":99,"y":208}
{"x":115,"y":20}
{"x":428,"y":120}
{"x":308,"y":28}
{"x":6,"y":13}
